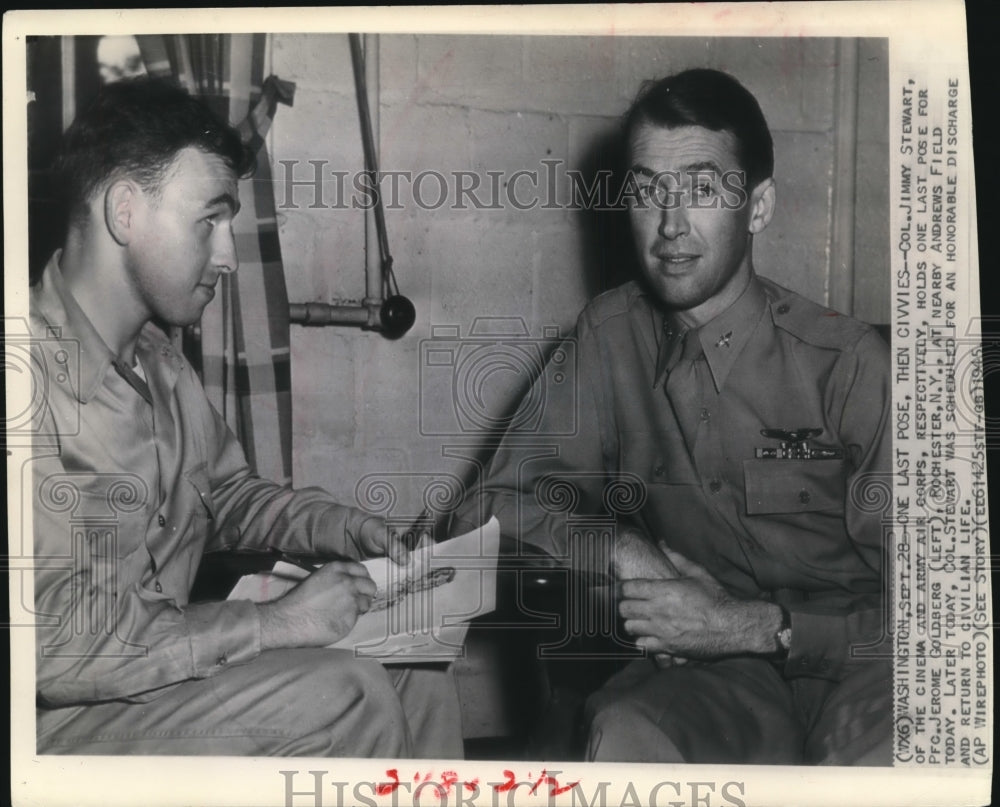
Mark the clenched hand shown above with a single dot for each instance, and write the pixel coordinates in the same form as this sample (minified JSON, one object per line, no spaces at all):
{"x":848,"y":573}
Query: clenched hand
{"x":320,"y":610}
{"x":694,"y":616}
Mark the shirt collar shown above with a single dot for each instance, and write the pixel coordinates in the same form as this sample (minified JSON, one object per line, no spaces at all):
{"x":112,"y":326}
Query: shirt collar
{"x":722,"y":339}
{"x":53,"y":302}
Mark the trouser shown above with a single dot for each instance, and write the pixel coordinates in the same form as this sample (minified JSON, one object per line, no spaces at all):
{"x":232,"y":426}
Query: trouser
{"x":739,"y":711}
{"x":304,"y":702}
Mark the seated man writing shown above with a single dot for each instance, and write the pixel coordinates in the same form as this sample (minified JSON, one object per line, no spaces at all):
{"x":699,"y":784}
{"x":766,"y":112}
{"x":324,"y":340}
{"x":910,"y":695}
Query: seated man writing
{"x":136,"y":476}
{"x":753,"y":419}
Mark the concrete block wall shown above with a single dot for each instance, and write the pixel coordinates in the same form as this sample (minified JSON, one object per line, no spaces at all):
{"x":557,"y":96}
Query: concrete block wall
{"x":478,"y":104}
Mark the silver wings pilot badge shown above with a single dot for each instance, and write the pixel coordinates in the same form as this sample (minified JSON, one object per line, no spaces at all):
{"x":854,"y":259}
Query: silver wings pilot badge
{"x":795,"y":446}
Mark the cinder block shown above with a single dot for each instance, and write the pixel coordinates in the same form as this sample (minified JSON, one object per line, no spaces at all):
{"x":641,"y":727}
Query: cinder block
{"x":295,"y":233}
{"x":323,"y":126}
{"x":398,"y":68}
{"x":323,"y":395}
{"x":564,"y":282}
{"x":642,"y":58}
{"x":872,"y":295}
{"x":338,"y":267}
{"x":570,"y":59}
{"x":510,"y":141}
{"x":482,"y":71}
{"x":792,"y":78}
{"x":316,"y":186}
{"x":794,"y":249}
{"x":803,"y":169}
{"x":478,"y":270}
{"x":314,"y":61}
{"x":818,"y":83}
{"x":529,"y":152}
{"x":387,"y":378}
{"x":341,"y":470}
{"x":572,"y":75}
{"x":418,"y":137}
{"x":873,"y":92}
{"x":872,"y":292}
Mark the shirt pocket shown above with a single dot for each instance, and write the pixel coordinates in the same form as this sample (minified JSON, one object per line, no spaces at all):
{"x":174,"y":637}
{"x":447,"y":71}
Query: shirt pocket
{"x":794,"y":486}
{"x":110,"y":516}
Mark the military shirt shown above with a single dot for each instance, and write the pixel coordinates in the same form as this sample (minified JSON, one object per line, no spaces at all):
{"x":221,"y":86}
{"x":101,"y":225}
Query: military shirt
{"x":807,"y":533}
{"x":127,"y":495}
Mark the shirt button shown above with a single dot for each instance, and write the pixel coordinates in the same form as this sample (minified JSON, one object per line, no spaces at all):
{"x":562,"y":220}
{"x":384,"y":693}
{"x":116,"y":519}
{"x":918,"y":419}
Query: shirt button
{"x":161,"y":520}
{"x":158,"y":587}
{"x":783,"y":308}
{"x":804,"y":496}
{"x":222,"y":661}
{"x":715,"y":486}
{"x":704,"y":414}
{"x":659,"y":470}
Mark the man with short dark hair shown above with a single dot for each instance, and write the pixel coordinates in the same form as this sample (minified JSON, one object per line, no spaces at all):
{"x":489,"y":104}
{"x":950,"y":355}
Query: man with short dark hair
{"x":754,"y":420}
{"x":136,"y":476}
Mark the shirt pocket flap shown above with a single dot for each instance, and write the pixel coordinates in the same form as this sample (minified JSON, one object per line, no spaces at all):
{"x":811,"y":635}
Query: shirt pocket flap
{"x":794,"y":486}
{"x":198,"y":477}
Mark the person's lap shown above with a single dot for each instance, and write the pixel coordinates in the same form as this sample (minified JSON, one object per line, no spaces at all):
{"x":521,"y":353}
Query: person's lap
{"x":741,"y":710}
{"x":304,"y":702}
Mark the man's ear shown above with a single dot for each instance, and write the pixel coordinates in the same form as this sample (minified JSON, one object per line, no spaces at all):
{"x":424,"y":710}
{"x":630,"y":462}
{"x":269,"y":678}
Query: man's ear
{"x":120,"y":208}
{"x":761,"y":205}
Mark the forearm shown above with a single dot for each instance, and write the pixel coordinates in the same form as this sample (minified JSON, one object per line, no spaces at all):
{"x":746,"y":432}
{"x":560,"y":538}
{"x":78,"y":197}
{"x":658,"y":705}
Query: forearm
{"x":255,"y":514}
{"x":149,"y":644}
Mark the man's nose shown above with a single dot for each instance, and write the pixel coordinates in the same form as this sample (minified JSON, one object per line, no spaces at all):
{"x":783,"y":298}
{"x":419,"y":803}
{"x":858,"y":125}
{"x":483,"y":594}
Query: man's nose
{"x":224,"y":255}
{"x":673,"y":219}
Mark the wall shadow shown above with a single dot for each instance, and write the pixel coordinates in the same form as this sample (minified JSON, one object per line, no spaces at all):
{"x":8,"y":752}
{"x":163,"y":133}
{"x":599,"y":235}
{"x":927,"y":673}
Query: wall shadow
{"x":609,"y":254}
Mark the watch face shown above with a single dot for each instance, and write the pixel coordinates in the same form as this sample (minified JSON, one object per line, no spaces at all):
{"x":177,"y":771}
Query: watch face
{"x":785,"y":638}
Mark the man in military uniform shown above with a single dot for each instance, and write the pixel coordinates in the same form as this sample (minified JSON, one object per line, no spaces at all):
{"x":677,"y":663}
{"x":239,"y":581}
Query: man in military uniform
{"x":135,"y":476}
{"x":756,"y":420}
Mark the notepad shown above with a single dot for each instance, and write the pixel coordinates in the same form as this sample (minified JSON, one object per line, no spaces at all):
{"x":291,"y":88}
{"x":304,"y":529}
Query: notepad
{"x":421,"y":611}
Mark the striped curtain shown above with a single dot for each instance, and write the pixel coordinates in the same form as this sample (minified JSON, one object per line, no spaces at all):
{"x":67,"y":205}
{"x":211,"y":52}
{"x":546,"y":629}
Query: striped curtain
{"x":243,"y":348}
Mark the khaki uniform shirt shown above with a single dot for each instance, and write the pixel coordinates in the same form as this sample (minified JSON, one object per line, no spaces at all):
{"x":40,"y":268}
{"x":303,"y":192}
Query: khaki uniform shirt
{"x":674,"y":453}
{"x":127,"y":496}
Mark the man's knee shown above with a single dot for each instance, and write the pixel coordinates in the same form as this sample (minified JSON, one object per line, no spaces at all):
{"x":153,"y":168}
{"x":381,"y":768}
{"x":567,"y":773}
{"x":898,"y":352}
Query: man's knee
{"x":344,"y":706}
{"x":622,"y":731}
{"x":855,"y":725}
{"x":372,"y":696}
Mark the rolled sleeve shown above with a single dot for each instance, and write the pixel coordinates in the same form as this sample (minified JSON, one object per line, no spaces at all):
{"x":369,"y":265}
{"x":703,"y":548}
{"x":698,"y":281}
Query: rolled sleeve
{"x":222,"y":634}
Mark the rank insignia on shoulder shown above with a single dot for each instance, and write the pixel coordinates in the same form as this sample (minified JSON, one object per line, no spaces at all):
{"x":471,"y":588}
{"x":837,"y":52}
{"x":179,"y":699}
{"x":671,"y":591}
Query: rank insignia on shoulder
{"x":795,"y":446}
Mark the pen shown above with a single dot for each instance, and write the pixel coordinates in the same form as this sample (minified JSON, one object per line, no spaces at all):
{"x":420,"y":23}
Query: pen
{"x":424,"y":523}
{"x":292,"y":560}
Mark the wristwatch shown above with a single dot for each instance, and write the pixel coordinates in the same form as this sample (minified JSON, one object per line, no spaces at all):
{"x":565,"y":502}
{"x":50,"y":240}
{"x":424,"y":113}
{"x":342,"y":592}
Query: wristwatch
{"x":783,"y":636}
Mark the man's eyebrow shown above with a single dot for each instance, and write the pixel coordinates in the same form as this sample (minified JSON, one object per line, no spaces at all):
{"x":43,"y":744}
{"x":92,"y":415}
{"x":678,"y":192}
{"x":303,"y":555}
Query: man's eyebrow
{"x":700,"y":166}
{"x":224,"y":199}
{"x":703,"y":165}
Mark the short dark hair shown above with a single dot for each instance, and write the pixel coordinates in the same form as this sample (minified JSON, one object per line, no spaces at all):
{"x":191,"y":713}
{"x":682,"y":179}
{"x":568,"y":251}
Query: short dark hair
{"x":136,"y":128}
{"x":713,"y":100}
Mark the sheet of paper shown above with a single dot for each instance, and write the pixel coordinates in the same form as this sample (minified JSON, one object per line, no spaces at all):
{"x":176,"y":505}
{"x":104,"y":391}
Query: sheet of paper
{"x":420,"y":611}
